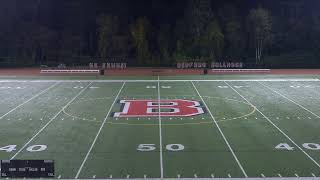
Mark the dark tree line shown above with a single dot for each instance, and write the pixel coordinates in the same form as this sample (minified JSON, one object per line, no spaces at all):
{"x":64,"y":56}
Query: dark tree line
{"x":160,"y":32}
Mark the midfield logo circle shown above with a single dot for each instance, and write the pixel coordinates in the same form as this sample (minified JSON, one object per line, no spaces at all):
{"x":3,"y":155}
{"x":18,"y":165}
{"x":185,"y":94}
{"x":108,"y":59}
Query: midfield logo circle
{"x":168,"y":108}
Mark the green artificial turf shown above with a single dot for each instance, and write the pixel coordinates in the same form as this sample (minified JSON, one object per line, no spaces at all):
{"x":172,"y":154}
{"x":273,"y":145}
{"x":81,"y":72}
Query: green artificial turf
{"x":248,"y":128}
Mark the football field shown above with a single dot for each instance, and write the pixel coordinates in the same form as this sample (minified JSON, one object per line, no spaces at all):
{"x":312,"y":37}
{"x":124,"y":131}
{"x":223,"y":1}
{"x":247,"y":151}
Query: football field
{"x":161,"y":128}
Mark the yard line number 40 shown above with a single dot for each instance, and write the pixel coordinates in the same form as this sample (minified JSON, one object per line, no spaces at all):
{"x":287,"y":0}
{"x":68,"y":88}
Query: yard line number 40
{"x":33,"y":148}
{"x":309,"y":146}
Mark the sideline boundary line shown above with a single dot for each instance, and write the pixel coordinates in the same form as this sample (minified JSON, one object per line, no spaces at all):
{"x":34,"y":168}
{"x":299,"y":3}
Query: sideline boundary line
{"x":251,"y":178}
{"x":98,"y":133}
{"x":54,"y":117}
{"x":220,"y":178}
{"x":160,"y":129}
{"x":289,"y":99}
{"x":37,"y":95}
{"x":220,"y":130}
{"x":173,"y":80}
{"x":272,"y":123}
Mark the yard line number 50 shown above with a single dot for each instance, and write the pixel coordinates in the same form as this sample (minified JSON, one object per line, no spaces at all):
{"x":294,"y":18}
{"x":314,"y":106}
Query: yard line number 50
{"x":152,"y":147}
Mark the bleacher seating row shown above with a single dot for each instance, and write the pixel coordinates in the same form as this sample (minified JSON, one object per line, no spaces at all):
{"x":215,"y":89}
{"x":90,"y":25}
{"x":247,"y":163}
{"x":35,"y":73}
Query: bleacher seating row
{"x":240,"y":70}
{"x":69,"y":71}
{"x":149,"y":71}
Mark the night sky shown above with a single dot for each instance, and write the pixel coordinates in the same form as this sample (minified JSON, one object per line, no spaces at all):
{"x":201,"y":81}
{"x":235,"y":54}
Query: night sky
{"x":157,"y":11}
{"x":64,"y":28}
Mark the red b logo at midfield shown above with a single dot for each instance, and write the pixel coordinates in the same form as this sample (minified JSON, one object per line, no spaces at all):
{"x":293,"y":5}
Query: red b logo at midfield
{"x":150,"y":108}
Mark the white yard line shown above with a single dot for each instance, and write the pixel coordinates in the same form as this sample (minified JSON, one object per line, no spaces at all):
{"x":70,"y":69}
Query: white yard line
{"x":26,"y":144}
{"x":222,"y":134}
{"x":160,"y":130}
{"x":290,"y":100}
{"x":98,"y":133}
{"x":273,"y":124}
{"x":37,"y":95}
{"x":173,"y":80}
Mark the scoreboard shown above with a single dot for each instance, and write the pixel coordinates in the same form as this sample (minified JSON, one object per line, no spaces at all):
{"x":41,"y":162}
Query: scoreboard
{"x":27,"y":169}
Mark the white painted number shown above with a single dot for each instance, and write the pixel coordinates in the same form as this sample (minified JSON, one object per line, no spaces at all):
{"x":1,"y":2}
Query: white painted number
{"x":37,"y":148}
{"x":311,"y":146}
{"x":5,"y":87}
{"x":284,"y":146}
{"x":154,"y":87}
{"x":146,"y":147}
{"x":8,"y":148}
{"x":306,"y":86}
{"x":226,"y":87}
{"x":152,"y":147}
{"x":34,"y":148}
{"x":175,"y":147}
